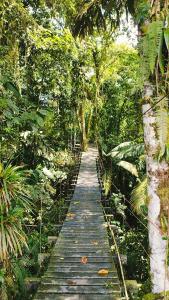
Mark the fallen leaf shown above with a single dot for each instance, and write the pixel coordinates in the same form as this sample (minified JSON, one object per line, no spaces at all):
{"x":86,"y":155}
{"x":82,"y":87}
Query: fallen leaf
{"x":103,"y":272}
{"x":84,"y":260}
{"x":70,"y":215}
{"x":76,"y":202}
{"x":71,"y":282}
{"x":95,"y":243}
{"x":61,"y":258}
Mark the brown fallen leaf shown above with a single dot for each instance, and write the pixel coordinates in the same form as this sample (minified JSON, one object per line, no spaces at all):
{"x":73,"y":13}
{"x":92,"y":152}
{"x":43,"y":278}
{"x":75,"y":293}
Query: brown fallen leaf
{"x":103,"y":272}
{"x":71,"y":282}
{"x":94,"y":243}
{"x":84,"y":260}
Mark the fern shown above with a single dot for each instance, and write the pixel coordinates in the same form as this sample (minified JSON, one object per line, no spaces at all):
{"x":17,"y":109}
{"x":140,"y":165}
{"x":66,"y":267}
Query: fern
{"x":163,"y":129}
{"x":19,"y":273}
{"x":166,"y":37}
{"x":152,"y":45}
{"x":139,"y":196}
{"x":160,"y":53}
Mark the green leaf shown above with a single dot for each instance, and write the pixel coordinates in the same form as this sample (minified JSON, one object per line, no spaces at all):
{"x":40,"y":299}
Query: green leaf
{"x":43,"y":112}
{"x":3,"y":103}
{"x":166,"y":37}
{"x":13,"y":88}
{"x":8,"y":114}
{"x":39,"y":121}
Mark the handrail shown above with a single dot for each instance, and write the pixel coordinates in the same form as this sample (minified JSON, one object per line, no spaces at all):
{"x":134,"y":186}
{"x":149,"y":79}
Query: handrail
{"x":117,"y":250}
{"x":118,"y":255}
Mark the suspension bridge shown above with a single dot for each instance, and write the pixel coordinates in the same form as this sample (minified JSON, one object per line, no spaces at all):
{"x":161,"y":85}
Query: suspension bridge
{"x":81,"y":265}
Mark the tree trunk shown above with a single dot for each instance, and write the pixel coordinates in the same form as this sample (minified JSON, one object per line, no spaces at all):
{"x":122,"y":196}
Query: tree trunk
{"x":157,"y":173}
{"x":83,"y":128}
{"x":89,"y":123}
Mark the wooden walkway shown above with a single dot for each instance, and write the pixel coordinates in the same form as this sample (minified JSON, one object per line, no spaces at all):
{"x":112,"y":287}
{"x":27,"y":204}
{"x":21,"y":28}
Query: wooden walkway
{"x":81,"y":266}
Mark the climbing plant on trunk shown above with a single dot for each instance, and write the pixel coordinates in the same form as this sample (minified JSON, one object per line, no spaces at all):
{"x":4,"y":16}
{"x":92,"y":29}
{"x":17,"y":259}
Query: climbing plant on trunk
{"x":154,"y":54}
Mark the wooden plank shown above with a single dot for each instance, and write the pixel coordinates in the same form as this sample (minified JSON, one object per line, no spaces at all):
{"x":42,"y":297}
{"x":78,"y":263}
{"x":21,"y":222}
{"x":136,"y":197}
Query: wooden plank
{"x":62,"y":296}
{"x":78,"y":274}
{"x":82,"y":281}
{"x":69,"y":254}
{"x":81,"y":289}
{"x":76,"y":260}
{"x":68,"y":267}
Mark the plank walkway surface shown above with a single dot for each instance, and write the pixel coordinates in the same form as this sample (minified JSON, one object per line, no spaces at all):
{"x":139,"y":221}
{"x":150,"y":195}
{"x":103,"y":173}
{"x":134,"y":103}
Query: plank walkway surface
{"x":82,"y":248}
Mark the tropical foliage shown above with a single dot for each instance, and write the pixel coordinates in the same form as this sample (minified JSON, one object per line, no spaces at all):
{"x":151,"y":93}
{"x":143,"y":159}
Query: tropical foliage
{"x":64,"y":80}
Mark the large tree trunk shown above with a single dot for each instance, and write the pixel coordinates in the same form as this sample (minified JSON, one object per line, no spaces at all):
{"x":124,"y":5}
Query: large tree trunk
{"x":158,"y":174}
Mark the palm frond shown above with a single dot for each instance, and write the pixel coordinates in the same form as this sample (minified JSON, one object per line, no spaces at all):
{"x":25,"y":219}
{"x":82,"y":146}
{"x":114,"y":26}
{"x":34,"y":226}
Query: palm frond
{"x":13,"y":202}
{"x":121,"y":146}
{"x":126,"y":150}
{"x":12,"y":187}
{"x":12,"y":237}
{"x":129,"y":167}
{"x":94,"y":14}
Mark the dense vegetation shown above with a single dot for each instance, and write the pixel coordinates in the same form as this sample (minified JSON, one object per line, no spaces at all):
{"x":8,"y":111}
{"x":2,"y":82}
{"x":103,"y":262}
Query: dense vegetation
{"x":64,"y":80}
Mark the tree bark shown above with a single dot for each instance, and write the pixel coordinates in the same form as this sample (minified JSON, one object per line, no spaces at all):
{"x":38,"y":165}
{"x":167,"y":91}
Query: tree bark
{"x":157,"y":171}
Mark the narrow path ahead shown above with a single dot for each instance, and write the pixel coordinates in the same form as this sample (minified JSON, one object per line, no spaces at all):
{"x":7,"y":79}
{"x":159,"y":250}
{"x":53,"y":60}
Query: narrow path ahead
{"x":82,"y":249}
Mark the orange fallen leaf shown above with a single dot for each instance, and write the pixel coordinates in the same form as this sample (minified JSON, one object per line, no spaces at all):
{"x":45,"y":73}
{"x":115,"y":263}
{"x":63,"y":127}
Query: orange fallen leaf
{"x":71,"y":282}
{"x":95,"y":243}
{"x":84,"y":260}
{"x":103,"y":272}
